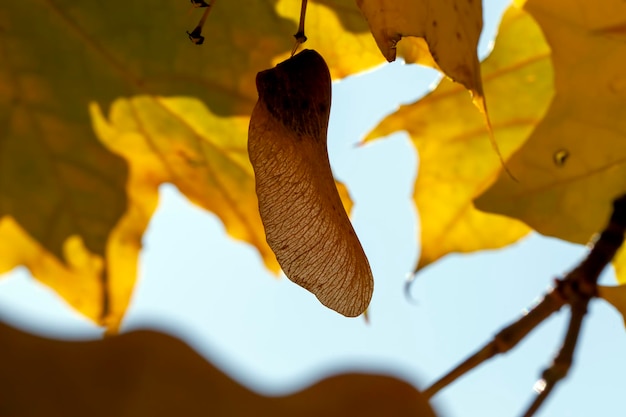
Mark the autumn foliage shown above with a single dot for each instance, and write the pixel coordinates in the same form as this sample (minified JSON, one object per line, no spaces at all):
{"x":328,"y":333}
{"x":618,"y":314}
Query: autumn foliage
{"x":99,"y":106}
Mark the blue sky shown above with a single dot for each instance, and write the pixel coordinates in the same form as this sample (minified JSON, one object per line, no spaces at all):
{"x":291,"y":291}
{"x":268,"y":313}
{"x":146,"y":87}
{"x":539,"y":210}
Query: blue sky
{"x":273,"y":336}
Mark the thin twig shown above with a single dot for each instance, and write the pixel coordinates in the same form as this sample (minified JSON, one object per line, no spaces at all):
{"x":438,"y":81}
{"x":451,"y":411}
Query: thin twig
{"x":196,"y":34}
{"x":300,"y":36}
{"x":563,"y":361}
{"x":577,"y":288}
{"x":504,"y":341}
{"x":580,"y":289}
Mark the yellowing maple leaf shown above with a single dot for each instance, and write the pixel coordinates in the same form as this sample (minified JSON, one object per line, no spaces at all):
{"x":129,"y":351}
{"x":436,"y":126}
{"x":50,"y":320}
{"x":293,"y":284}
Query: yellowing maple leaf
{"x":572,"y":167}
{"x":337,"y":30}
{"x":74,"y":211}
{"x":61,"y":191}
{"x":451,"y":30}
{"x":79,"y":278}
{"x":441,"y":34}
{"x":456,"y":161}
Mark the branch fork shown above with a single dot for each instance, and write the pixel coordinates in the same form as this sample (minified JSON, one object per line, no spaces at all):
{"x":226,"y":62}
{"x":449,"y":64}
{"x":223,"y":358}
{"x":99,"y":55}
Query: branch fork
{"x":575,"y":290}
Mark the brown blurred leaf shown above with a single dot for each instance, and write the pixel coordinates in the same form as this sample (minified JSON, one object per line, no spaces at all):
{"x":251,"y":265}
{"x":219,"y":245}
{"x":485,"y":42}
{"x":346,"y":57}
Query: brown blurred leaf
{"x":305,"y":222}
{"x":144,"y":373}
{"x":616,"y":296}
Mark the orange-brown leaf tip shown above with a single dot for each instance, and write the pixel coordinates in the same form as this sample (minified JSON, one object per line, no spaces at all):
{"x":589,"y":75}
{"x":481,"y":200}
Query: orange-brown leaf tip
{"x":305,"y":222}
{"x":366,"y":316}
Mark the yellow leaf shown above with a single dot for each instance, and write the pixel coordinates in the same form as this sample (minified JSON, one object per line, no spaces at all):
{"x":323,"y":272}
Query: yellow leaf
{"x":619,"y":265}
{"x":54,"y":174}
{"x":415,"y":51}
{"x":456,"y":162}
{"x":79,"y":278}
{"x":439,"y":34}
{"x":344,"y":195}
{"x":178,"y":140}
{"x":572,"y":167}
{"x":304,"y":219}
{"x":450,"y":28}
{"x":616,"y":296}
{"x":146,"y":373}
{"x":174,"y":111}
{"x":337,"y":30}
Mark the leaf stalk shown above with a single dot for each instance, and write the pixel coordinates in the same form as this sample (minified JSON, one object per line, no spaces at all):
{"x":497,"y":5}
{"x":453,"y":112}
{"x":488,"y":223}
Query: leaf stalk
{"x":299,"y":35}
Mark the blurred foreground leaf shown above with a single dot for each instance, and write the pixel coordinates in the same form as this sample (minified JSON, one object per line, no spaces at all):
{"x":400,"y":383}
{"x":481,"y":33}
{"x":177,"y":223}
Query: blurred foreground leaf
{"x":144,"y":373}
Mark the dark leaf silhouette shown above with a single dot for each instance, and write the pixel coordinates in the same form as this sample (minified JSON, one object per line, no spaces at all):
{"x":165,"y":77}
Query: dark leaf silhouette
{"x":145,"y":373}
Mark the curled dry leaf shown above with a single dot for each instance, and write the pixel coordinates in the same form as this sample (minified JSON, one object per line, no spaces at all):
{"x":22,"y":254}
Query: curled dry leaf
{"x":305,"y":222}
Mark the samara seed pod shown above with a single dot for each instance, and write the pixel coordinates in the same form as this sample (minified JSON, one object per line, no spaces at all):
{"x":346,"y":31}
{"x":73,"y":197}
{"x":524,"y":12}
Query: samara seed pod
{"x":305,"y":222}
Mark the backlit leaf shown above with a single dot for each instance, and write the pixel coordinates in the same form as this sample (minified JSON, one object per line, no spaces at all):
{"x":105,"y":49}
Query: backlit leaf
{"x":451,"y":30}
{"x":572,"y":167}
{"x":456,"y":162}
{"x":72,"y":211}
{"x":78,"y":278}
{"x":61,"y":191}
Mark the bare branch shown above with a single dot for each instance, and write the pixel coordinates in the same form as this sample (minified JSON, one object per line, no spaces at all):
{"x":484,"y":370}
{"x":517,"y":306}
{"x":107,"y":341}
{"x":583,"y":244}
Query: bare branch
{"x":576,"y":290}
{"x":505,"y":340}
